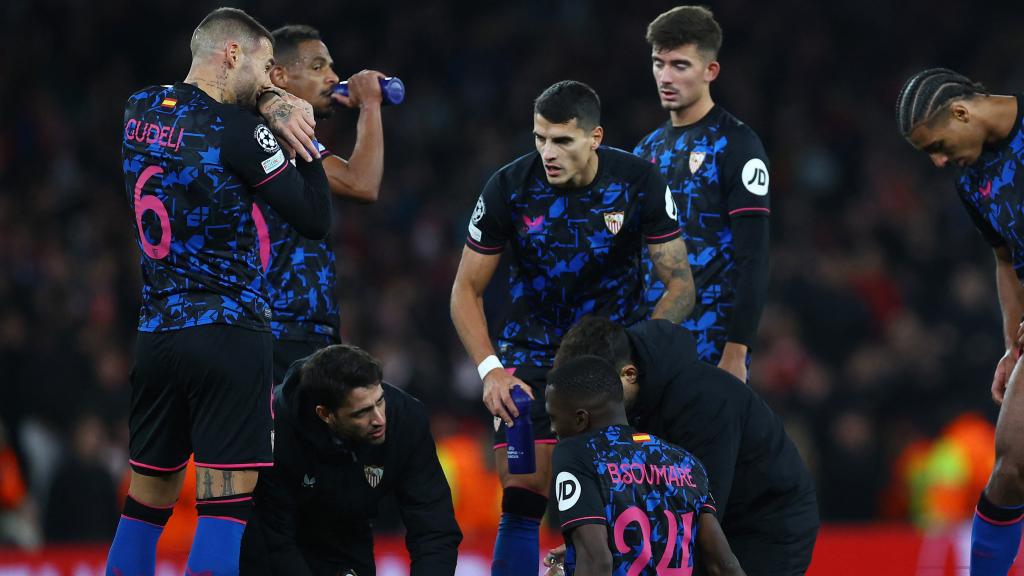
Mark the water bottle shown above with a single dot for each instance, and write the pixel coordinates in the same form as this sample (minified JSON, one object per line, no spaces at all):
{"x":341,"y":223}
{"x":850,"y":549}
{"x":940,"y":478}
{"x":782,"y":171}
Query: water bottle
{"x":520,"y":436}
{"x":391,"y":89}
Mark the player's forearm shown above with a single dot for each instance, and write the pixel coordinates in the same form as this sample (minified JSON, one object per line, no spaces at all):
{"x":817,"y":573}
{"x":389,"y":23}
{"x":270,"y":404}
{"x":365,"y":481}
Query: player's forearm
{"x":587,"y":565}
{"x":467,"y":310}
{"x":359,"y":178}
{"x":1011,"y":296}
{"x":676,"y":303}
{"x":672,"y":267}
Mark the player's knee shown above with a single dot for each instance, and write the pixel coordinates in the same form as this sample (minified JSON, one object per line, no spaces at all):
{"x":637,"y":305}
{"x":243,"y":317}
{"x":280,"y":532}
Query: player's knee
{"x":157,"y":491}
{"x":523,"y":502}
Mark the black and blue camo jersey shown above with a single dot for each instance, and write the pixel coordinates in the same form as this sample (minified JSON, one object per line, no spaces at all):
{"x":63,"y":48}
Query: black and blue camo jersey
{"x":301,"y":277}
{"x":648,"y":493}
{"x":190,"y":167}
{"x":574,"y":251}
{"x":717,"y":170}
{"x":992,"y":190}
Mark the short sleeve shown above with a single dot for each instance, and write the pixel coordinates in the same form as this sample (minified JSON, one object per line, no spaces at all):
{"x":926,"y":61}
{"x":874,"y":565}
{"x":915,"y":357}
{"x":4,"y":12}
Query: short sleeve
{"x":252,"y":152}
{"x":576,"y":487}
{"x":706,"y":502}
{"x":745,"y":177}
{"x":489,"y":226}
{"x":985,"y":228}
{"x":660,"y":214}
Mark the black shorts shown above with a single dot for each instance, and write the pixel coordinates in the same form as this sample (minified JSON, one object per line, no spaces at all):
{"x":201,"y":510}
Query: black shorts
{"x":288,"y":351}
{"x":205,"y":390}
{"x":537,"y":378}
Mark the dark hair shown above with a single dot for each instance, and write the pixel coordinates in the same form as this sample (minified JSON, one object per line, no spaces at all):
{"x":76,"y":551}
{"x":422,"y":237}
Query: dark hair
{"x":684,"y":25}
{"x":569,"y":99}
{"x":330,"y":373}
{"x":597,"y":336}
{"x":228,"y":22}
{"x":586,"y":381}
{"x":928,"y":92}
{"x":287,"y":40}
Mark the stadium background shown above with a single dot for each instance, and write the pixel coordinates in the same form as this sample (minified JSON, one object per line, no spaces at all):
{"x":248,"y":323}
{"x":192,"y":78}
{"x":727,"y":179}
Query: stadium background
{"x":876,"y":347}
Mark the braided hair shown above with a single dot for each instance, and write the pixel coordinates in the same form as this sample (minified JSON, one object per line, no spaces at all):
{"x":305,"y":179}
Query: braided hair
{"x":928,"y":92}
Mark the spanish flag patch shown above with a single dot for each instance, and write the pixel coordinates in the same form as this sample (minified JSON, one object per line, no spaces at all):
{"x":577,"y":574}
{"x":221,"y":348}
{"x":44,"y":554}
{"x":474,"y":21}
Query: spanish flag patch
{"x":641,"y":437}
{"x":169,"y":102}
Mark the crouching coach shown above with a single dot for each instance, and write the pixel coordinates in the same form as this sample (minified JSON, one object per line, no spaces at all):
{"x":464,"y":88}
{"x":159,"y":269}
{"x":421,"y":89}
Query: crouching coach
{"x":344,"y":440}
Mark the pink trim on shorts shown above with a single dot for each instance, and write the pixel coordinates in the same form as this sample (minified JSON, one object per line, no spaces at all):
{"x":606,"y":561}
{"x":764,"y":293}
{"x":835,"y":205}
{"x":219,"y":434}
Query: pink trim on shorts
{"x":236,"y":466}
{"x":228,"y":518}
{"x":158,"y":468}
{"x":123,"y":517}
{"x":204,"y":502}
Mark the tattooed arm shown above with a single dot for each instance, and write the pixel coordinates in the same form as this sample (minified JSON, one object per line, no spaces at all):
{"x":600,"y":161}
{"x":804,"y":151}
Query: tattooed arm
{"x":673,"y":269}
{"x":290,"y":118}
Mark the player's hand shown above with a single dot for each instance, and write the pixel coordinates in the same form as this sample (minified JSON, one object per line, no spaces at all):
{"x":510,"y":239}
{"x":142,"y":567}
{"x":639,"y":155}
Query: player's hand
{"x":290,"y":118}
{"x":555,"y":561}
{"x":498,"y":385}
{"x":734,"y":360}
{"x":363,"y":90}
{"x":1003,"y":370}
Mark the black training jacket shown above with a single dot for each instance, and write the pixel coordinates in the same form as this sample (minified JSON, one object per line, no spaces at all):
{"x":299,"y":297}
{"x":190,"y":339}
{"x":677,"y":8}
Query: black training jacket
{"x":315,"y":508}
{"x":758,"y":479}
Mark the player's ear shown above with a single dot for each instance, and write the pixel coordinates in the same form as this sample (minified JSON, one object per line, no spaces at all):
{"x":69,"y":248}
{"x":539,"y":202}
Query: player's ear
{"x":323,"y":413}
{"x":582,"y":421}
{"x":958,"y":110}
{"x":596,"y":136}
{"x":712,"y":71}
{"x":629,"y":375}
{"x":232,"y":53}
{"x":279,"y":76}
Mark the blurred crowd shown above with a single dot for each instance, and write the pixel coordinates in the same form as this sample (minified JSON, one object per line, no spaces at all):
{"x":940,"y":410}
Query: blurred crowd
{"x":882,"y":325}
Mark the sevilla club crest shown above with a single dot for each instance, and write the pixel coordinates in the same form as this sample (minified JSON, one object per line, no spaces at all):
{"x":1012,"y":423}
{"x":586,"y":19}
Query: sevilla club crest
{"x":613,"y":220}
{"x":373,"y":475}
{"x":696,"y":159}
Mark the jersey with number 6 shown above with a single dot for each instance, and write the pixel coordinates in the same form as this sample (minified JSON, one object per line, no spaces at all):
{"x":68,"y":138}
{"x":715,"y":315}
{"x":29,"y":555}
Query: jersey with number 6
{"x":717,"y":170}
{"x":191,"y":165}
{"x":647,"y":492}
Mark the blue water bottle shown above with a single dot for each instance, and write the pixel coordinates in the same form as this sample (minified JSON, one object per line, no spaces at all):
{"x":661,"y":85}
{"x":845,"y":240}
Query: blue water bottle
{"x":392,"y":89}
{"x":520,"y":436}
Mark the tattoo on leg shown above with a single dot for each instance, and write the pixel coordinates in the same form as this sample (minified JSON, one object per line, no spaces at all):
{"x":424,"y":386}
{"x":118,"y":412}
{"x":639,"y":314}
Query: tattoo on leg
{"x":229,"y":489}
{"x":207,"y":482}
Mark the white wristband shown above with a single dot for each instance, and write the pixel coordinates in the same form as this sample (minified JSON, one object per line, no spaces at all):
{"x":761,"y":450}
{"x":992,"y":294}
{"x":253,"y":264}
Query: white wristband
{"x":489,"y":363}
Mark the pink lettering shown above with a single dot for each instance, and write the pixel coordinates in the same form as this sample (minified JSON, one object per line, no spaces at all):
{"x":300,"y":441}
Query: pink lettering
{"x":152,"y":133}
{"x":659,"y":474}
{"x":165,"y":131}
{"x":642,"y":477}
{"x":673,"y":475}
{"x":178,"y":145}
{"x":613,"y":473}
{"x":687,"y":477}
{"x":139,"y":132}
{"x":129,"y":127}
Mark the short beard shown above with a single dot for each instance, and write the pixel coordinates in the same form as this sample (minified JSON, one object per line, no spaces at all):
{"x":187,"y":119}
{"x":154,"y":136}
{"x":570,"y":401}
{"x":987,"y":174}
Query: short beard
{"x":323,"y":114}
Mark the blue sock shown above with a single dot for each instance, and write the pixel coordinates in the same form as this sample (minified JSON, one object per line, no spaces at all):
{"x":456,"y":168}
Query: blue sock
{"x":218,"y":539}
{"x":995,"y":538}
{"x":215,"y":547}
{"x":517,"y":548}
{"x":133,"y":552}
